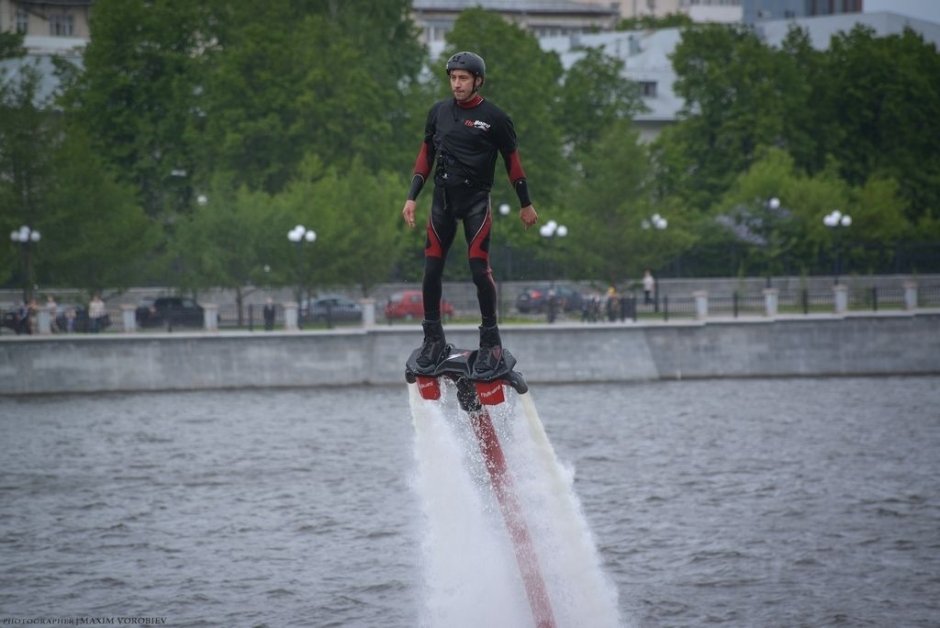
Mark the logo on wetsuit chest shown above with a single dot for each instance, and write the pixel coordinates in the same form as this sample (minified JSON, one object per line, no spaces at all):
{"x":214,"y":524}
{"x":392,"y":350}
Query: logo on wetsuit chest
{"x":477,"y":124}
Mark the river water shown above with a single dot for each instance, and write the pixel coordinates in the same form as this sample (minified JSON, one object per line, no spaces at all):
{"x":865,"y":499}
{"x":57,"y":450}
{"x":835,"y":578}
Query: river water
{"x":787,"y":502}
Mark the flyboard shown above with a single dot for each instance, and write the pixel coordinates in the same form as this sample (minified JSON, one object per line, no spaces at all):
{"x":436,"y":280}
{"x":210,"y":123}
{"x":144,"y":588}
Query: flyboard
{"x":474,"y":397}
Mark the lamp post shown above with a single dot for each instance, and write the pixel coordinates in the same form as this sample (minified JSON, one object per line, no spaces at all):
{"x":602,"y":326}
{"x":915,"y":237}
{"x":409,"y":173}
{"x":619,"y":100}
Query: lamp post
{"x":656,"y":223}
{"x":550,"y":231}
{"x":298,"y":235}
{"x":504,"y":211}
{"x":837,"y":221}
{"x":26,"y":237}
{"x":773,"y":206}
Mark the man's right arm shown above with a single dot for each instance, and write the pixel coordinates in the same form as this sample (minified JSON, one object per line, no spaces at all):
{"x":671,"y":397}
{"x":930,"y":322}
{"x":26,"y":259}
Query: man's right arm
{"x":422,"y":168}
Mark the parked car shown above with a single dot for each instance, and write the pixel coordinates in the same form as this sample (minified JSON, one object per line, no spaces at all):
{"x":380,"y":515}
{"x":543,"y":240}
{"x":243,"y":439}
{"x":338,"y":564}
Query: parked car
{"x":409,"y":304}
{"x":160,"y":311}
{"x":535,"y":300}
{"x":332,"y":308}
{"x":11,"y":320}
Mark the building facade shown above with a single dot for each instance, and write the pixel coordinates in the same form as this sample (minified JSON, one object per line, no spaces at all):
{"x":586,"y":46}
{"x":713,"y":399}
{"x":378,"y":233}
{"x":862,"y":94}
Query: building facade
{"x":646,"y":54}
{"x":698,"y":10}
{"x":761,"y":10}
{"x":542,"y":18}
{"x":46,"y":18}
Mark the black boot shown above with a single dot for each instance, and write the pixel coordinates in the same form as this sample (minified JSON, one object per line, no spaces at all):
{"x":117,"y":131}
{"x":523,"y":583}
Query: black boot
{"x":490,"y":356}
{"x":432,"y":350}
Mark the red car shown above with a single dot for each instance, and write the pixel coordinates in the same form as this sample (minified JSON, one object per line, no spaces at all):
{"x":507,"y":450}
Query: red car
{"x":409,"y":304}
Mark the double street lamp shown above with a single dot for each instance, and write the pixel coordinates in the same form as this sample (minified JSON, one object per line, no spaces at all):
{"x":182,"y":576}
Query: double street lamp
{"x":837,"y":221}
{"x":656,"y":223}
{"x":550,"y":231}
{"x":299,"y":235}
{"x":26,"y":237}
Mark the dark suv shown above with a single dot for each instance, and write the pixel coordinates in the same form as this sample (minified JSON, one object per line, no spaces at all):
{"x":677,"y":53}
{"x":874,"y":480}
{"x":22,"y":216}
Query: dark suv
{"x":330,"y":309}
{"x":535,"y":300}
{"x":170,"y":311}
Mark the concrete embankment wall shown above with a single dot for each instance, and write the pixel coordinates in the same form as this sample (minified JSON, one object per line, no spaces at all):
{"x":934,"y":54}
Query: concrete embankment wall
{"x":882,"y":344}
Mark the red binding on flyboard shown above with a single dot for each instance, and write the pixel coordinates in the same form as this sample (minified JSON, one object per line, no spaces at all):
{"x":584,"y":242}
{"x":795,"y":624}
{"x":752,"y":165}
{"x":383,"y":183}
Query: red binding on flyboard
{"x":474,"y":396}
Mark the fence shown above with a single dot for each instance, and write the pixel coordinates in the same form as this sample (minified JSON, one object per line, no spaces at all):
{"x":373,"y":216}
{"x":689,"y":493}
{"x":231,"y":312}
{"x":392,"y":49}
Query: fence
{"x":737,"y":303}
{"x":674,"y":300}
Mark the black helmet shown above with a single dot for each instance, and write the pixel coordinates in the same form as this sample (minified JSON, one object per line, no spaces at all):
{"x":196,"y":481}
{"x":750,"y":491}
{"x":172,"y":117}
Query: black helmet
{"x":469,"y":61}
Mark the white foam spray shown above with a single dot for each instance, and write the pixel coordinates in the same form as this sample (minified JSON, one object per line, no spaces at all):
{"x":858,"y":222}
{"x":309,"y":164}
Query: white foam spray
{"x":471,"y":577}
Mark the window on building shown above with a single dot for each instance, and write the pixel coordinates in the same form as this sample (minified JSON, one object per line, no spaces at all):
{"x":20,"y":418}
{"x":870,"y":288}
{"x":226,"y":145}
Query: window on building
{"x":61,"y":25}
{"x":22,"y":21}
{"x":647,"y":88}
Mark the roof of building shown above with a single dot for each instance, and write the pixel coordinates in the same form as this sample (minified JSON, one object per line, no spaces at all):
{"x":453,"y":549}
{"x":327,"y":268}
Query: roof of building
{"x":515,"y":6}
{"x":646,"y":53}
{"x":821,"y":29}
{"x":56,"y":3}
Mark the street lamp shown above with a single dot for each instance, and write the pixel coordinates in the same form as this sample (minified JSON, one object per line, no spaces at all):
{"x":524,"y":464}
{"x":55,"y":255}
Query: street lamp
{"x":836,"y":221}
{"x":504,"y":211}
{"x":550,"y":231}
{"x":657,"y":223}
{"x":298,"y":235}
{"x":26,"y":236}
{"x":773,"y":212}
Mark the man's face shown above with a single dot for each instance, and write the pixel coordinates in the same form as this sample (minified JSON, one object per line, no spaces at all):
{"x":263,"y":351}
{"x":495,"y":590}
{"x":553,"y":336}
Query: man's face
{"x":462,"y":84}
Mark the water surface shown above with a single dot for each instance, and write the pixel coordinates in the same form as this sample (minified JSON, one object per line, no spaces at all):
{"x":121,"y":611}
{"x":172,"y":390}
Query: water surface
{"x":735,"y":503}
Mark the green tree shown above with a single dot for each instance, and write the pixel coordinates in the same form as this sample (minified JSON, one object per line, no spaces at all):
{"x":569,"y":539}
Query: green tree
{"x":593,"y":97}
{"x":227,"y":242}
{"x":358,"y":237}
{"x":11,"y":45}
{"x":649,"y":22}
{"x":26,"y":136}
{"x":136,"y":96}
{"x":607,"y":209}
{"x":97,"y":236}
{"x":738,"y":93}
{"x":293,"y":80}
{"x":766,"y":214}
{"x":880,"y":97}
{"x":789,"y":235}
{"x":879,"y":223}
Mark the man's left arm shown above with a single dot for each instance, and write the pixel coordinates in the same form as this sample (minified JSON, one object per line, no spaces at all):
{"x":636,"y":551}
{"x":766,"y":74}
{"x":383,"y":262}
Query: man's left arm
{"x":519,"y":183}
{"x":506,"y":140}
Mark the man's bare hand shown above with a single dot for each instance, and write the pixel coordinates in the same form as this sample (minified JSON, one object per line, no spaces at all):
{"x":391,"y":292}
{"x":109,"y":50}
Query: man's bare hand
{"x":528,"y":215}
{"x":408,"y":213}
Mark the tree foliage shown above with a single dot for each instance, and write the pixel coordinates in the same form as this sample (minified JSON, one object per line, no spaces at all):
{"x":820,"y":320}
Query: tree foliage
{"x":593,"y":98}
{"x":880,"y":97}
{"x":608,"y":207}
{"x":311,"y":111}
{"x":96,"y":232}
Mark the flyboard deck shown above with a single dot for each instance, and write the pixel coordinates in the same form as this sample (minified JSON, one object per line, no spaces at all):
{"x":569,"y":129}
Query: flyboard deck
{"x":474,"y":396}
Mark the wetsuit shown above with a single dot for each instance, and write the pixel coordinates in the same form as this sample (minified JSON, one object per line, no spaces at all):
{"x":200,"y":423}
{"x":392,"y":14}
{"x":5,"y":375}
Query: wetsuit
{"x":464,"y":140}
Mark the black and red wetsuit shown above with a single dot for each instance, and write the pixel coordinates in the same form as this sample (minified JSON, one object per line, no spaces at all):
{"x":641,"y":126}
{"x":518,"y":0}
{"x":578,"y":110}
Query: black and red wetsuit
{"x":464,"y":140}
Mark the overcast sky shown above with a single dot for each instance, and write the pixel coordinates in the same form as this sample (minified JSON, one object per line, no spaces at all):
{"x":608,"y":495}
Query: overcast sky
{"x":924,"y":9}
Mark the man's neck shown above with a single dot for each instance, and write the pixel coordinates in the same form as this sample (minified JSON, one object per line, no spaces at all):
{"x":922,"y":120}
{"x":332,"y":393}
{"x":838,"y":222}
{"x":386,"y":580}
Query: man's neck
{"x":471,"y":102}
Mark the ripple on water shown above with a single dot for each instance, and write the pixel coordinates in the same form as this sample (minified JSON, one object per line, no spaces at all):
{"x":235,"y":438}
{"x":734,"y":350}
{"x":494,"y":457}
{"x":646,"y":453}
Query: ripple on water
{"x":740,"y":503}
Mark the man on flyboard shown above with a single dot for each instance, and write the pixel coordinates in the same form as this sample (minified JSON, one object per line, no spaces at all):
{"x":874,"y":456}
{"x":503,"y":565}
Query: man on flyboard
{"x":463,"y":135}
